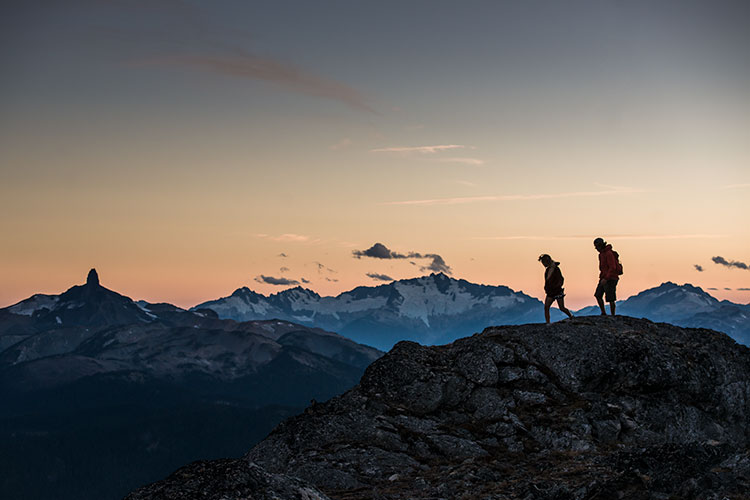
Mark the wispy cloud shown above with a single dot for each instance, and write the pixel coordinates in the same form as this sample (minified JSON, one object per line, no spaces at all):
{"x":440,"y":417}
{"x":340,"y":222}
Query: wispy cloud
{"x":465,"y":161}
{"x":284,"y":270}
{"x":419,"y":149}
{"x":283,"y":255}
{"x":270,"y":280}
{"x":380,"y":251}
{"x":190,"y":36}
{"x":322,"y":267}
{"x":614,"y":236}
{"x":736,"y":186}
{"x":287,"y":237}
{"x":744,"y":289}
{"x":698,"y":268}
{"x":730,"y":263}
{"x":242,"y":64}
{"x":514,"y":197}
{"x":342,"y":144}
{"x":379,"y":277}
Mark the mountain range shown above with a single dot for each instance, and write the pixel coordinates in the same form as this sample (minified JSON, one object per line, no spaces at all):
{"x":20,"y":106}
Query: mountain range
{"x":431,"y":309}
{"x":686,"y":305}
{"x":438,"y":309}
{"x":107,"y":392}
{"x":101,"y":393}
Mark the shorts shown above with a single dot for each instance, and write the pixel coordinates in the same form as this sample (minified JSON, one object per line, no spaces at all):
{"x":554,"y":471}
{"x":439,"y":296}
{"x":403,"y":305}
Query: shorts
{"x":608,"y":290}
{"x":556,"y":294}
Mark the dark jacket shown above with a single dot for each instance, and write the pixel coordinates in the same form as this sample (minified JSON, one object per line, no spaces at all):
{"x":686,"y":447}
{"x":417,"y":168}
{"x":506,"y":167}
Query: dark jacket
{"x":553,"y":280}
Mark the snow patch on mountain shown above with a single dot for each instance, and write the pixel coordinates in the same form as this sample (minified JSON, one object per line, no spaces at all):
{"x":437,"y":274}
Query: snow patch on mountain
{"x":346,"y":303}
{"x":35,"y":303}
{"x":239,"y":306}
{"x":143,"y":306}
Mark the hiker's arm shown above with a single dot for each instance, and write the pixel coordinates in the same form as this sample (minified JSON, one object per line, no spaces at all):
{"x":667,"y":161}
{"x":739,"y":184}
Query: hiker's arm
{"x":611,"y":272}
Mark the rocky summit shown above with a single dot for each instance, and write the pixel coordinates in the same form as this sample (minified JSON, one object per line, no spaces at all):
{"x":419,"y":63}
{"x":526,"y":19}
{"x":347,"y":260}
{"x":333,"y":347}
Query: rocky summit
{"x":589,"y":408}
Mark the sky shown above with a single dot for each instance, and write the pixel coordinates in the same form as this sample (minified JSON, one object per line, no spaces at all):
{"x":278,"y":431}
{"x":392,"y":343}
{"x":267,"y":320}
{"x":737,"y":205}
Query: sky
{"x":188,"y":148}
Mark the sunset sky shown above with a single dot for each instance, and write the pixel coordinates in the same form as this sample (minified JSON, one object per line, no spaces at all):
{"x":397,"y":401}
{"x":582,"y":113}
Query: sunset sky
{"x":187,"y":148}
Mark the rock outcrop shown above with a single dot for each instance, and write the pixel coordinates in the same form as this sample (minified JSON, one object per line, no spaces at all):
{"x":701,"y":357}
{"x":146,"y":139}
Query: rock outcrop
{"x":227,"y":479}
{"x":596,"y":407}
{"x":93,"y":278}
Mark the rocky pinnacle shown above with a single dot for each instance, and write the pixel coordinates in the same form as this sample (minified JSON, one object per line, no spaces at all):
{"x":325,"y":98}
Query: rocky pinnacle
{"x":93,"y":278}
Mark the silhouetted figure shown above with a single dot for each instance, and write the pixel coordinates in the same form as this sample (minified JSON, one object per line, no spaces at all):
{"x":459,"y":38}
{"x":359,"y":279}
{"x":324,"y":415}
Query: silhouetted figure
{"x":553,"y":282}
{"x":609,"y":274}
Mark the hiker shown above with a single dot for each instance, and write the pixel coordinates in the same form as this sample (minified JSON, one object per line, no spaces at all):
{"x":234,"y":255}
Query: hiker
{"x":609,"y":274}
{"x":553,"y":282}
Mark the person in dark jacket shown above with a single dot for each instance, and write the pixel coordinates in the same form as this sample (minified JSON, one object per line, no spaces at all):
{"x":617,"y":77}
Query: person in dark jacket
{"x":608,"y":276}
{"x":553,"y":286}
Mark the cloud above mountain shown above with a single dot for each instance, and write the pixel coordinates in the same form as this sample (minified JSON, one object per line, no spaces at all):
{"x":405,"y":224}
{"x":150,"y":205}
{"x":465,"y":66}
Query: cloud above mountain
{"x":380,"y":251}
{"x":270,"y":280}
{"x":698,"y":268}
{"x":380,"y":277}
{"x":730,"y":263}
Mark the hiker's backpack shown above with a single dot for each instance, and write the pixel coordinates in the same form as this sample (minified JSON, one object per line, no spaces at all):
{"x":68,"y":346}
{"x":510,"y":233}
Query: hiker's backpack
{"x":619,"y":264}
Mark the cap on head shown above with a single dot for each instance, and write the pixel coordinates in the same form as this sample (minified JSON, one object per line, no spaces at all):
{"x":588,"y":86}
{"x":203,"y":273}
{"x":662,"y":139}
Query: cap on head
{"x":599,"y":242}
{"x":545,"y":259}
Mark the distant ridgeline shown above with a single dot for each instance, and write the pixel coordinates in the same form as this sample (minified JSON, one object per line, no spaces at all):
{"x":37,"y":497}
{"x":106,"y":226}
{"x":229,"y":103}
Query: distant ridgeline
{"x":101,"y":394}
{"x":438,"y":309}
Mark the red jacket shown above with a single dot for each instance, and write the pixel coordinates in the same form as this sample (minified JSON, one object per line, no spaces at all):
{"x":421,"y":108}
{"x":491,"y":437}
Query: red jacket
{"x":608,"y":264}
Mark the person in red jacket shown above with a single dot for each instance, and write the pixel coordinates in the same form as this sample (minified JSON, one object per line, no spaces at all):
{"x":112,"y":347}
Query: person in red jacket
{"x":608,"y":276}
{"x":553,"y":282}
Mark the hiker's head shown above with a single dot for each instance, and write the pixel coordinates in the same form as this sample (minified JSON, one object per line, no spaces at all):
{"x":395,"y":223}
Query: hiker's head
{"x":599,"y":244}
{"x":545,"y":259}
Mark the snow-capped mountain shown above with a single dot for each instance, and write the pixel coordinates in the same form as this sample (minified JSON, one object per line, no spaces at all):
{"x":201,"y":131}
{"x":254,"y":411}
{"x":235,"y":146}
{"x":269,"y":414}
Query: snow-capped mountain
{"x":430,"y":309}
{"x":686,"y":305}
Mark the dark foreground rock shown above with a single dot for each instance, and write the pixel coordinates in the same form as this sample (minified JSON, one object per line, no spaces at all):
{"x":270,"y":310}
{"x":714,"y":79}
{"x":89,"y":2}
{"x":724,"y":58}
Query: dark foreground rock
{"x":225,"y":480}
{"x":593,"y":408}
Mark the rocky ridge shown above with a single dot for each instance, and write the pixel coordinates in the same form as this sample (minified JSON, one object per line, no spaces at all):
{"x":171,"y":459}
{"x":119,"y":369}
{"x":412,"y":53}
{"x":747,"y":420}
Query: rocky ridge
{"x":595,"y":407}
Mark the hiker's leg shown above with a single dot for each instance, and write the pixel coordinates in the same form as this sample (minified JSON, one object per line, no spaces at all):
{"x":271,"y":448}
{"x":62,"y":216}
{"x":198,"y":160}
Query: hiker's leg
{"x":547,"y":303}
{"x":610,"y":289}
{"x":561,"y":305}
{"x":599,"y":294}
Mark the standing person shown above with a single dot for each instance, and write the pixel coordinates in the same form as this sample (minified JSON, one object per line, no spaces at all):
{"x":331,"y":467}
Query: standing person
{"x":553,"y":282}
{"x":609,"y":275}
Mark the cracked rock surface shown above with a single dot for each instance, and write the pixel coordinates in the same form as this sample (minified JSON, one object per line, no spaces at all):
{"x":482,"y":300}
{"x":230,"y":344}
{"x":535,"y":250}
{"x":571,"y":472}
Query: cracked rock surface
{"x":594,"y":407}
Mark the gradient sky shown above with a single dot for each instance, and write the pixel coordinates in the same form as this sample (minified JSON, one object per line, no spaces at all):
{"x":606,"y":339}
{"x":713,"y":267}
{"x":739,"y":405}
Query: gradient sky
{"x":187,"y":148}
